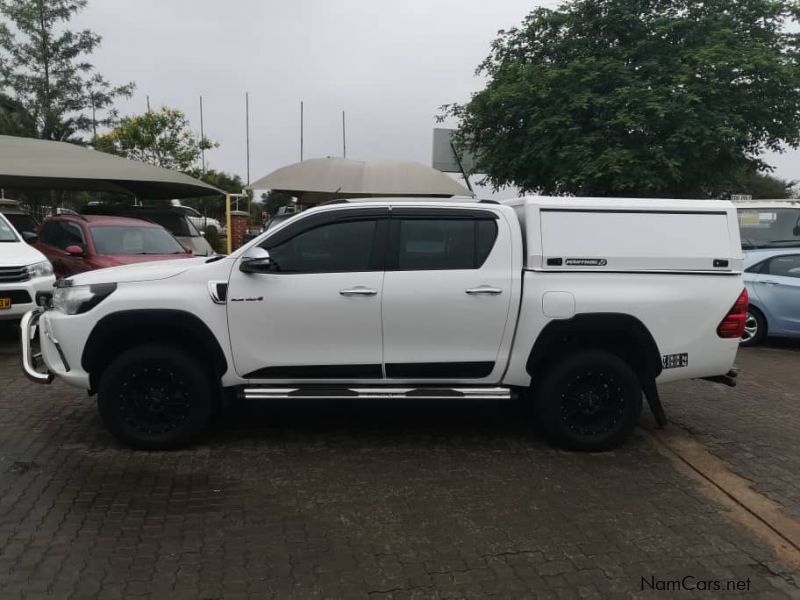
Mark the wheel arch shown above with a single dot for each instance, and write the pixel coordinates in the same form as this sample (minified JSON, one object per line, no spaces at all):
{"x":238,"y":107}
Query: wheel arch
{"x":621,"y":334}
{"x":122,"y":330}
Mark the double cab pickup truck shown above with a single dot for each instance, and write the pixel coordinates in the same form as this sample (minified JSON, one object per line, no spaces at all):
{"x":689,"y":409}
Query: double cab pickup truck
{"x":580,"y":306}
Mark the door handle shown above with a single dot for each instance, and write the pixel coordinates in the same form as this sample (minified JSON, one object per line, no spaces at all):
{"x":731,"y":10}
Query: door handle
{"x":359,"y":291}
{"x":484,"y":290}
{"x":770,"y":282}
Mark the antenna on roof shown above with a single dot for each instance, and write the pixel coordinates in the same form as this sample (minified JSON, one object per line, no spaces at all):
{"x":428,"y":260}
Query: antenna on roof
{"x":301,"y":131}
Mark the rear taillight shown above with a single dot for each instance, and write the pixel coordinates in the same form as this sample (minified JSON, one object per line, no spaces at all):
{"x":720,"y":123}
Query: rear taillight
{"x":732,"y":325}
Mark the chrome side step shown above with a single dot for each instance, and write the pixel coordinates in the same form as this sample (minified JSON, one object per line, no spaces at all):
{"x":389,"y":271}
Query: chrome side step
{"x":432,"y":393}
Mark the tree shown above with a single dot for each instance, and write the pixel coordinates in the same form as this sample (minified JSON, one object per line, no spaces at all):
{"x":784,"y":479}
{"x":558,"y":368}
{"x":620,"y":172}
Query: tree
{"x":274,"y":200}
{"x":14,"y":119}
{"x":43,"y":66}
{"x":162,"y":138}
{"x":209,"y":205}
{"x":636,"y":97}
{"x":758,"y":185}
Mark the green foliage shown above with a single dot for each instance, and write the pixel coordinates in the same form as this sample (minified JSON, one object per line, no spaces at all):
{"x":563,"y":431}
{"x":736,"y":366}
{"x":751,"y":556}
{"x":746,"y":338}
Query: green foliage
{"x":215,"y":241}
{"x":228,"y":182}
{"x":274,"y":200}
{"x":636,"y":97}
{"x":43,"y":64}
{"x":14,"y":119}
{"x":757,"y":185}
{"x":214,"y":206}
{"x":162,"y":138}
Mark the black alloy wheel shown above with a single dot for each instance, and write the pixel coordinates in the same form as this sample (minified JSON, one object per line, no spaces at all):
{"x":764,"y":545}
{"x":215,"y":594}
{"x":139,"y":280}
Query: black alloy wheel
{"x":590,"y":400}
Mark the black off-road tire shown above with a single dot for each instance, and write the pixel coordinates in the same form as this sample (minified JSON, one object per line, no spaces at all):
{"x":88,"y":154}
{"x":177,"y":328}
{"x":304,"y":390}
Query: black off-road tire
{"x":589,"y":401}
{"x":157,"y":397}
{"x":755,"y":328}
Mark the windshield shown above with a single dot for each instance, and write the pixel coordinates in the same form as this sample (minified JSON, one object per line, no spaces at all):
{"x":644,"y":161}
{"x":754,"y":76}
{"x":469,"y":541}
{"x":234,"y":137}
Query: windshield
{"x":7,"y":233}
{"x":22,"y":222}
{"x":117,"y":241}
{"x":769,"y":227}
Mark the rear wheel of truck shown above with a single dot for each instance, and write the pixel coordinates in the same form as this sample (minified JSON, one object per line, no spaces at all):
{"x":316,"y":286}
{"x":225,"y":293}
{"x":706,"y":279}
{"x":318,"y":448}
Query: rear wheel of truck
{"x":590,"y":401}
{"x":156,"y":397}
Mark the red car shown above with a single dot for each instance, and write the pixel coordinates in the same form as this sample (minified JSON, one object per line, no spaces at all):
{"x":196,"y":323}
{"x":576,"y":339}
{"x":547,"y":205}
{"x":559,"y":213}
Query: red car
{"x":82,"y":243}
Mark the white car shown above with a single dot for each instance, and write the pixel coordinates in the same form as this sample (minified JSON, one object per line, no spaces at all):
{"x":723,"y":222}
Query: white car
{"x":202,"y":223}
{"x":24,"y":272}
{"x":580,"y":305}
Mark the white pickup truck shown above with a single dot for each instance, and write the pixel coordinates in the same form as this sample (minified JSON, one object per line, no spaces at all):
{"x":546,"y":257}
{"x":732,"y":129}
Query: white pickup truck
{"x":580,"y":305}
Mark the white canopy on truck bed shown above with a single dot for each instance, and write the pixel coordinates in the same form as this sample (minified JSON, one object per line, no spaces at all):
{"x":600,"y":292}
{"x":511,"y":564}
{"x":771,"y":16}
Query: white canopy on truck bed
{"x":629,"y":234}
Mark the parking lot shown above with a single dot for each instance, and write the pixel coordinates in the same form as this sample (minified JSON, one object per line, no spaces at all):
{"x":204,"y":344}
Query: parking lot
{"x":399,"y":500}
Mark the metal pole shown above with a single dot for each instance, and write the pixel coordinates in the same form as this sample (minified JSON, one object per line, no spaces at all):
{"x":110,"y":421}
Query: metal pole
{"x":94,"y":119}
{"x":247,"y":127}
{"x":148,"y":104}
{"x":228,"y":222}
{"x":301,"y":131}
{"x":344,"y":136}
{"x":202,"y":138}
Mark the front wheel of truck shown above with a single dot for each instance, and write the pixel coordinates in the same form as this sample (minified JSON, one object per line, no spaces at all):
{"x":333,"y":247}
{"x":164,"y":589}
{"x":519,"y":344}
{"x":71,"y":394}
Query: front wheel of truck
{"x":589,"y":401}
{"x":156,"y":397}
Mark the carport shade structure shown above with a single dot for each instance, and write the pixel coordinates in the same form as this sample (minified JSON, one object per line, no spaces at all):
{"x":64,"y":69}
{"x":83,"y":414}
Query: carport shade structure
{"x":27,"y":163}
{"x":323,"y":179}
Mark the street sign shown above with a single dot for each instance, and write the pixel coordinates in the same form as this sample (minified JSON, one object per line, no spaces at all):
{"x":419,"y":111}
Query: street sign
{"x":444,"y":156}
{"x":741,"y":197}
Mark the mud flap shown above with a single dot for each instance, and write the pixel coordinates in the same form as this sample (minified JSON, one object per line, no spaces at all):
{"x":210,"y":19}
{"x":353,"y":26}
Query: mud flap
{"x":654,"y":401}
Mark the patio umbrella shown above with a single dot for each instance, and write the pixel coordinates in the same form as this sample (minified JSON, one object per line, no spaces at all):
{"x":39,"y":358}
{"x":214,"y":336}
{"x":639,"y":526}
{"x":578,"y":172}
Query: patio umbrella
{"x":27,"y":163}
{"x":321,"y":179}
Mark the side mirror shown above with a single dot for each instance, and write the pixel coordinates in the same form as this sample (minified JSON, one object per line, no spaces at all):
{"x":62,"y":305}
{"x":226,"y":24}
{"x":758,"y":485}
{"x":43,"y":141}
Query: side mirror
{"x":30,"y":237}
{"x":75,"y":250}
{"x":796,"y":231}
{"x":256,"y":260}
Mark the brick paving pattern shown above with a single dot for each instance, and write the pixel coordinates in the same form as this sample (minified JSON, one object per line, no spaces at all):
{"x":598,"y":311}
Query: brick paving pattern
{"x":754,"y":427}
{"x":359,"y":500}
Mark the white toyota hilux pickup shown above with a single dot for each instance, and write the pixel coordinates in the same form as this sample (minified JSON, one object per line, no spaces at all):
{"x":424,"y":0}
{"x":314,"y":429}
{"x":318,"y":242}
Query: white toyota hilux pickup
{"x":24,"y":272}
{"x":579,"y":305}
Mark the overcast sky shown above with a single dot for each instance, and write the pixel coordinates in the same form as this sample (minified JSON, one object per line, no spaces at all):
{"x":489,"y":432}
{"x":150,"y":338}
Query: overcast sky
{"x":388,"y":63}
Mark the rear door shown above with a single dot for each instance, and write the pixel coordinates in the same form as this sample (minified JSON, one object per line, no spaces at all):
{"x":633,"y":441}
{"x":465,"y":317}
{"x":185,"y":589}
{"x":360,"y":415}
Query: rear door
{"x":778,"y":288}
{"x":447,"y":293}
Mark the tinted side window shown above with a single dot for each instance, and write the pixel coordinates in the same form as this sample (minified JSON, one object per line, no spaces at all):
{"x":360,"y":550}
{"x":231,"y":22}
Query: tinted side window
{"x":61,"y":234}
{"x":73,"y":235}
{"x":333,"y":248}
{"x":784,"y":266}
{"x":440,"y":243}
{"x":49,"y":234}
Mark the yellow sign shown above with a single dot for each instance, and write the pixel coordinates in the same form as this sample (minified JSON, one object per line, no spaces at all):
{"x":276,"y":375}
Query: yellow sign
{"x":749,"y":217}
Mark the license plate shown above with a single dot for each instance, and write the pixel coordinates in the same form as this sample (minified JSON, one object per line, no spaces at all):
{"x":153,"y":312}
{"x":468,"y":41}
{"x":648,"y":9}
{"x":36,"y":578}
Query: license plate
{"x":5,"y":303}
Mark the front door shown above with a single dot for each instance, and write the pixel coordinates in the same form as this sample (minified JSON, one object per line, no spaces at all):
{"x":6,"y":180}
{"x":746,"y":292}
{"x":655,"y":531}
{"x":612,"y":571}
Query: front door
{"x":317,"y":313}
{"x":778,"y":289}
{"x":446,"y":294}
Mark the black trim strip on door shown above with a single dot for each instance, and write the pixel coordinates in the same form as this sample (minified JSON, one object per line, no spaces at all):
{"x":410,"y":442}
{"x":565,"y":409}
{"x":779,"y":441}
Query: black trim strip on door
{"x":635,"y":211}
{"x":444,"y":370}
{"x":318,"y":372}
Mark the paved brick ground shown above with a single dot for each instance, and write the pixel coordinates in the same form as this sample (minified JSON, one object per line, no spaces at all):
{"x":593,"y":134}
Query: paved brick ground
{"x":754,"y":427}
{"x":390,"y":501}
